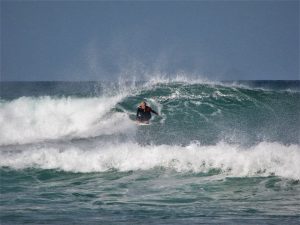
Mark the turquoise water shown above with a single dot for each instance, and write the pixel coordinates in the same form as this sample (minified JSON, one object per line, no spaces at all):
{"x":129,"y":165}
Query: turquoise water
{"x":219,"y":153}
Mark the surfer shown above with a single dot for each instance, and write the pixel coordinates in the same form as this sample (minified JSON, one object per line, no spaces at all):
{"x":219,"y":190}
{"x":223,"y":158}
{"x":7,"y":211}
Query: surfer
{"x":143,"y":113}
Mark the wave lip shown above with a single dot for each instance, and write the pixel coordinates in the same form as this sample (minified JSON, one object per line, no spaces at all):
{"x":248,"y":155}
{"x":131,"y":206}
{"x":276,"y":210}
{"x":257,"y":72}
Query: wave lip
{"x":264,"y":159}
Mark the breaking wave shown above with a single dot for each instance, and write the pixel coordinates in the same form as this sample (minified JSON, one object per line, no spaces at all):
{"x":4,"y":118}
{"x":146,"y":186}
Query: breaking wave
{"x":27,"y":120}
{"x":264,"y":159}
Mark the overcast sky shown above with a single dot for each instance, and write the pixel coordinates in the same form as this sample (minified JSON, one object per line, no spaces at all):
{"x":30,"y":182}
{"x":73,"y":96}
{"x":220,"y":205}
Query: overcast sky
{"x":101,"y":40}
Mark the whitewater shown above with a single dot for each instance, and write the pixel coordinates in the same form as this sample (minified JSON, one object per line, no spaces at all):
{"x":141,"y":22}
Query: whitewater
{"x":220,"y":152}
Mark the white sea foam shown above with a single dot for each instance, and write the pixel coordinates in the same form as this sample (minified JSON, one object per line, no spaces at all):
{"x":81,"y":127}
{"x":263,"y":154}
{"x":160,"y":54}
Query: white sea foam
{"x":263,"y":159}
{"x":27,"y":120}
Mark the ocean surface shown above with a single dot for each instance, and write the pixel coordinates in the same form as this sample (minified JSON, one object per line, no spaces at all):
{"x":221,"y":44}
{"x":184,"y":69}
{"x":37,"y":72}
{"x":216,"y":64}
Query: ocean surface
{"x":219,"y":153}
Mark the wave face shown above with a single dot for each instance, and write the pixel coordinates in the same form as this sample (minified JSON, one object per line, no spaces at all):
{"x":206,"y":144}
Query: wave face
{"x":210,"y":113}
{"x":219,"y":153}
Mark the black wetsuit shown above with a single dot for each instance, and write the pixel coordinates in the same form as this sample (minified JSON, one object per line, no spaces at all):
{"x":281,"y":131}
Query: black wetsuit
{"x":144,"y":114}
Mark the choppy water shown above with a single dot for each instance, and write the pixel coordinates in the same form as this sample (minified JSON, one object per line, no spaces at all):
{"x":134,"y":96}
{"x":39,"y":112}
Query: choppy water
{"x":219,"y":153}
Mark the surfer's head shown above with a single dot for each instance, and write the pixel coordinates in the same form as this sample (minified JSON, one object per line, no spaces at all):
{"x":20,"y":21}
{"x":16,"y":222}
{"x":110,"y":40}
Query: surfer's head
{"x":143,"y":104}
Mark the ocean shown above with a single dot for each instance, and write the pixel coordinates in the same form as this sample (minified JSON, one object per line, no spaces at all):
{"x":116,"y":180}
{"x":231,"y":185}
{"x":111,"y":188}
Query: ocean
{"x":218,"y":153}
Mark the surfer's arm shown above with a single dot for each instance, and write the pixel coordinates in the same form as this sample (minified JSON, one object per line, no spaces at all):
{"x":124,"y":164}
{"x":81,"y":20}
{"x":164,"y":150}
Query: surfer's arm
{"x":154,"y":112}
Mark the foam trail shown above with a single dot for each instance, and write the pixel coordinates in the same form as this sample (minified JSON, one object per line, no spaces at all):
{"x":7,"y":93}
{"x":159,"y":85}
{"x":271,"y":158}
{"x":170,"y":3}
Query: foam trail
{"x":263,"y":159}
{"x":27,"y":120}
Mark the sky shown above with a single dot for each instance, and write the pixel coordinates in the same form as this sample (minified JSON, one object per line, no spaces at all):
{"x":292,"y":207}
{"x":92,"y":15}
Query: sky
{"x":104,"y":40}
